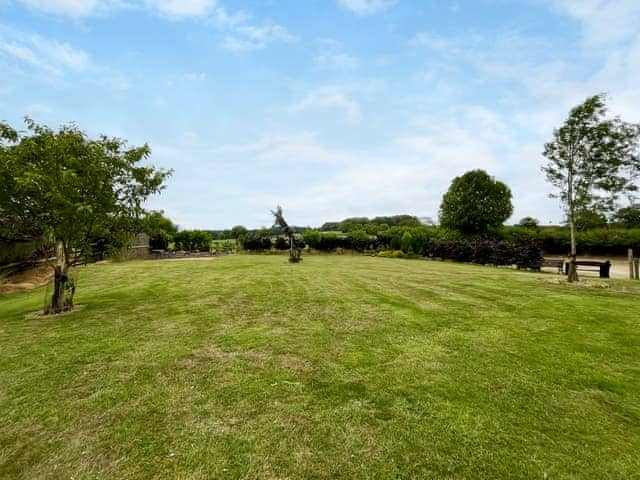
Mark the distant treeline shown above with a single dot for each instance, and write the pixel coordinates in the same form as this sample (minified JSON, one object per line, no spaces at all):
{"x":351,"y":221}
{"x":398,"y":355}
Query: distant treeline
{"x":346,"y":225}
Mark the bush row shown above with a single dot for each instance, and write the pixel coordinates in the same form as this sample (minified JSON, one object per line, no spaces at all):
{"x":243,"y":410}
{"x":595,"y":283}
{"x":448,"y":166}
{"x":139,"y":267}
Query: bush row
{"x":552,"y":240}
{"x":487,"y":252}
{"x":557,"y":240}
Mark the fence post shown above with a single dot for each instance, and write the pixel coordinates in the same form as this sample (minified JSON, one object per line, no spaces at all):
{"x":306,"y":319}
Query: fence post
{"x":636,"y":264}
{"x":630,"y":255}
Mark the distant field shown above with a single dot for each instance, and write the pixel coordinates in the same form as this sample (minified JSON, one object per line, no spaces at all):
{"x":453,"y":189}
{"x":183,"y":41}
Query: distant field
{"x":339,"y":367}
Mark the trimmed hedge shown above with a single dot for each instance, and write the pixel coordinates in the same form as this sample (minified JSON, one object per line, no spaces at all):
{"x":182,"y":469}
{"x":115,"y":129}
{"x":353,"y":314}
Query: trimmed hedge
{"x":487,"y":252}
{"x":557,"y":240}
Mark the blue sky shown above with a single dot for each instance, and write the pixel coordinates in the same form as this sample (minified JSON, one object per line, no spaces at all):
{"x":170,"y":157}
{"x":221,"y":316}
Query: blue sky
{"x":330,"y":108}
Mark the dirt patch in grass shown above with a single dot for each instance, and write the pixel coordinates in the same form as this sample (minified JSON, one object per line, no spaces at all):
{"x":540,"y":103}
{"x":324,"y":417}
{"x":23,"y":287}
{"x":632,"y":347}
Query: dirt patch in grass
{"x":27,"y":280}
{"x":41,"y":314}
{"x":258,"y":359}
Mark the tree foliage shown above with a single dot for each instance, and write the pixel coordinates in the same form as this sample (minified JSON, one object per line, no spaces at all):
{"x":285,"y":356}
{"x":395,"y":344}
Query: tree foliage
{"x":476,"y":204}
{"x":529,"y":222}
{"x":66,"y":186}
{"x":591,"y":161}
{"x":161,"y":230}
{"x":628,"y":217}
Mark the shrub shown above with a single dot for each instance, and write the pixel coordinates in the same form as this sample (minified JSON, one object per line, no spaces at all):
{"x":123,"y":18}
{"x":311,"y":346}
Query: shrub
{"x":486,"y":252}
{"x":360,"y":240}
{"x":312,"y":238}
{"x":255,"y":242}
{"x":406,"y":242}
{"x":281,"y":243}
{"x":328,"y":242}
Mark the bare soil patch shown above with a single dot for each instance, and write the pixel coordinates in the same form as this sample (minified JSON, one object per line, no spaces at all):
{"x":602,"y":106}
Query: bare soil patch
{"x":27,"y":280}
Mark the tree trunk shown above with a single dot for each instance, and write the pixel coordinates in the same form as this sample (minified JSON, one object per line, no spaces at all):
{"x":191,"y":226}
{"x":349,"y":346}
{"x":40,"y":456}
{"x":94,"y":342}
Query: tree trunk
{"x":60,"y":271}
{"x":573,"y":272}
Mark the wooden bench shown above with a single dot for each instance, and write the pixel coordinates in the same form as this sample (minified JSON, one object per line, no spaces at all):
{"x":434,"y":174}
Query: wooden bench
{"x":603,"y":268}
{"x":553,"y":263}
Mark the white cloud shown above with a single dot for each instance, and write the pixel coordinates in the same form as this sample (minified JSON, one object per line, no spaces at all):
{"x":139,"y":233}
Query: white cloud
{"x":432,"y":41}
{"x":62,"y":53}
{"x":236,"y":44}
{"x":45,"y":54}
{"x":366,"y":7}
{"x":331,"y":57}
{"x":182,"y":8}
{"x":330,"y":99}
{"x":604,"y":22}
{"x":246,"y":37}
{"x":301,"y":148}
{"x":239,"y":33}
{"x":71,"y":8}
{"x":89,"y":8}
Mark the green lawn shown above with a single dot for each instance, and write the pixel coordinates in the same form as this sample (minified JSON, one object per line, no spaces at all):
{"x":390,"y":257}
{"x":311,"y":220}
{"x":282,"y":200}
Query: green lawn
{"x":340,"y":367}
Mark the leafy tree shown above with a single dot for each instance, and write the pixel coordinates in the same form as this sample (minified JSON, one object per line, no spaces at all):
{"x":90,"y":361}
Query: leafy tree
{"x":312,"y":238}
{"x":475,"y":204}
{"x":586,"y":162}
{"x":396,"y":242}
{"x":406,"y":242}
{"x":360,"y":240}
{"x":294,"y":251}
{"x":65,"y":186}
{"x":330,"y":227}
{"x":587,"y":219}
{"x":529,"y":222}
{"x":161,"y":230}
{"x":628,"y":217}
{"x":193,"y":240}
{"x":239,"y":233}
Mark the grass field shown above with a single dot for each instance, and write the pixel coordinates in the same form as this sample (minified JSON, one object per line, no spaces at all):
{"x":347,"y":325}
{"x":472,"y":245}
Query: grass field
{"x":340,"y":367}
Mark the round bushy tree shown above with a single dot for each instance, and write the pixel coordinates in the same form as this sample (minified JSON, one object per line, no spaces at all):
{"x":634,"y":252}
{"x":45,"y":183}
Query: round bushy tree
{"x":528,"y":222}
{"x":476,"y":204}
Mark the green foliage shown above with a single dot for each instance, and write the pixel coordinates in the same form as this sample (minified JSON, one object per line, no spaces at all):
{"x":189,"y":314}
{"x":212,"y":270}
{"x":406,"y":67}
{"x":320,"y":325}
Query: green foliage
{"x":586,"y":219}
{"x":529,"y":222}
{"x":406,"y":242}
{"x":591,"y":160}
{"x":312,"y":238}
{"x":557,"y":240}
{"x":193,"y":240}
{"x":360,"y":240}
{"x":281,"y":243}
{"x":475,"y":204}
{"x":396,"y":242}
{"x":239,"y":232}
{"x":67,"y":186}
{"x":628,"y":217}
{"x":161,"y":230}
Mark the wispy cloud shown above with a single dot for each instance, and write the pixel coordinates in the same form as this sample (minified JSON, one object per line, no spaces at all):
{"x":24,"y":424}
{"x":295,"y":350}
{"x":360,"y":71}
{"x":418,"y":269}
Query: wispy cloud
{"x":330,"y":98}
{"x":604,"y":22}
{"x":366,"y":7}
{"x":74,"y":8}
{"x":182,"y":8}
{"x":243,"y":37}
{"x":240,"y":33}
{"x":37,"y":52}
{"x":331,"y":56}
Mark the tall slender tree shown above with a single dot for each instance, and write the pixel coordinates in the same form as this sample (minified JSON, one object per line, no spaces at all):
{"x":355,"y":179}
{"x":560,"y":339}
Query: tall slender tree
{"x":586,"y":162}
